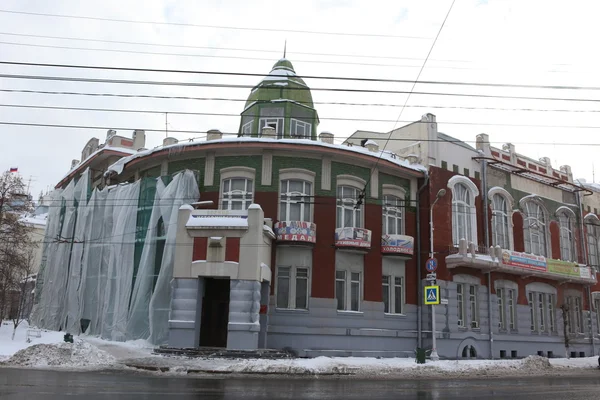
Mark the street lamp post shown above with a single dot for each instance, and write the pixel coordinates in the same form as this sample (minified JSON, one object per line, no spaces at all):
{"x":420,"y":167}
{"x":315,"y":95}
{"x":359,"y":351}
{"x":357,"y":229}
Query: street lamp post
{"x":434,"y":354}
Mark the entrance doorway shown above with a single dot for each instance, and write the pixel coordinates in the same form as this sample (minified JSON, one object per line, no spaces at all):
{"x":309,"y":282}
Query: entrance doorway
{"x":215,"y":313}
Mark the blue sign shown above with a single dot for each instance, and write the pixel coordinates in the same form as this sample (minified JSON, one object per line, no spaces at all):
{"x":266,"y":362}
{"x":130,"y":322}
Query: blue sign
{"x":431,"y":265}
{"x":432,"y":295}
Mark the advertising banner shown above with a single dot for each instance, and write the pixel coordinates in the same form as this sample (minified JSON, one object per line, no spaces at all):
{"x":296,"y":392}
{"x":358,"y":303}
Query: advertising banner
{"x":397,"y":244}
{"x":352,"y":237}
{"x":524,"y":260}
{"x":296,"y":231}
{"x":563,"y":268}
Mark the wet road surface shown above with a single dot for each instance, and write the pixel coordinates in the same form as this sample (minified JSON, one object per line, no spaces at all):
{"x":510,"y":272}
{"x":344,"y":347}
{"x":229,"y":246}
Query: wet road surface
{"x":50,"y":385}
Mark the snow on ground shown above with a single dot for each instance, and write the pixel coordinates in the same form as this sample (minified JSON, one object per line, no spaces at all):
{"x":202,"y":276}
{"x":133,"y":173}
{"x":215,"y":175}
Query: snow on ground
{"x":67,"y":355}
{"x":8,"y":347}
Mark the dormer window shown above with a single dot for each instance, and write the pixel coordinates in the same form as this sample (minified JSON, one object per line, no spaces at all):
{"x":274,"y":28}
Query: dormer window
{"x":300,"y":129}
{"x":275,"y":123}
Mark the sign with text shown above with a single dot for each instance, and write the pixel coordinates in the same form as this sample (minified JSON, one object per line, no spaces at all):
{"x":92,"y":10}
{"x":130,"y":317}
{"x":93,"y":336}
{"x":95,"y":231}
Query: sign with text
{"x":296,"y":231}
{"x":352,"y":237}
{"x":524,"y":260}
{"x":397,"y":244}
{"x":568,"y":269}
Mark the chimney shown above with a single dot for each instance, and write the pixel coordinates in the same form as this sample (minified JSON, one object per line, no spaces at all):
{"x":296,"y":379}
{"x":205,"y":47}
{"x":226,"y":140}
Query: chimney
{"x":546,"y":161}
{"x":74,"y":163}
{"x":326,"y":137}
{"x":483,"y":143}
{"x":214,"y":134}
{"x":566,"y":169}
{"x":169,"y":141}
{"x":139,"y":139}
{"x":269,"y":132}
{"x":372,"y":145}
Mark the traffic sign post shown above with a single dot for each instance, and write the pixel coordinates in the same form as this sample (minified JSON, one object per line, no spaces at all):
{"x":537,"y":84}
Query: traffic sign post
{"x":432,"y":295}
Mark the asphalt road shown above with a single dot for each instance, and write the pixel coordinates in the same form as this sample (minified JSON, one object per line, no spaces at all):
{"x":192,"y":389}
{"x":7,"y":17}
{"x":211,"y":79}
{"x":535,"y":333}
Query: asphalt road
{"x":50,"y":385}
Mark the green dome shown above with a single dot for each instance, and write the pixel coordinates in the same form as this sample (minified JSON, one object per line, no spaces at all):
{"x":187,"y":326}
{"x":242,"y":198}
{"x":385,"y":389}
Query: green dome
{"x":281,"y":84}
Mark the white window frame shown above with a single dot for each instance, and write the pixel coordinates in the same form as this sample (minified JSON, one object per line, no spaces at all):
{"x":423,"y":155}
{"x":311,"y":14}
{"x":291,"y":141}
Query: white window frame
{"x":498,"y":192}
{"x":508,"y":297}
{"x":297,"y":174}
{"x":394,"y":268}
{"x":294,"y":123}
{"x":394,"y":212}
{"x":236,"y":173}
{"x":542,"y":314}
{"x":592,"y":224}
{"x":270,"y":121}
{"x":470,"y":213}
{"x":596,"y":301}
{"x":575,"y":315}
{"x":566,"y":218}
{"x":467,"y":291}
{"x":292,"y":286}
{"x":532,"y":225}
{"x":349,"y":268}
{"x":349,"y":204}
{"x":247,"y":128}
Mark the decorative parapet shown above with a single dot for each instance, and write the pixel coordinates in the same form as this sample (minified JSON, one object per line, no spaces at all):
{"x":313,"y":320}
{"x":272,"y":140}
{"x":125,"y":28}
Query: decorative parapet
{"x":513,"y":262}
{"x":295,"y":231}
{"x":353,"y":237}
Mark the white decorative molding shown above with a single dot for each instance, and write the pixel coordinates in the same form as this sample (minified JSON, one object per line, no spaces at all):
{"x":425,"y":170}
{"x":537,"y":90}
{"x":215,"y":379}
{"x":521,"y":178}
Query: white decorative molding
{"x":209,"y":170}
{"x":238,"y":172}
{"x":465,"y":181}
{"x":326,"y":173}
{"x":375,"y":183}
{"x":464,"y":278}
{"x":542,"y":288}
{"x":566,"y":210}
{"x":267,"y":169}
{"x":393,"y":190}
{"x":350,"y":180}
{"x":506,"y":284}
{"x":297,"y":173}
{"x":164,"y":168}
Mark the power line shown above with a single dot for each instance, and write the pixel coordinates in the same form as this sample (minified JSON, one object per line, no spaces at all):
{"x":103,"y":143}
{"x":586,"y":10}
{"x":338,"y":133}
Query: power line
{"x":375,"y":35}
{"x":239,"y":86}
{"x":316,"y":102}
{"x":223,"y":48}
{"x":243,"y":140}
{"x":215,"y":114}
{"x":341,"y":78}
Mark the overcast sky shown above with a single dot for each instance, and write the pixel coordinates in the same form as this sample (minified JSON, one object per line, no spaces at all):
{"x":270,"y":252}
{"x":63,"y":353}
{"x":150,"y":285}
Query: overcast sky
{"x":495,"y":41}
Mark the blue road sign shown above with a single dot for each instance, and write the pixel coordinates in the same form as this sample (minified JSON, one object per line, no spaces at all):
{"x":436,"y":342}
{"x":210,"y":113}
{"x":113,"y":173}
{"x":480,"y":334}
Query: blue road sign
{"x":432,"y":295}
{"x":431,"y":265}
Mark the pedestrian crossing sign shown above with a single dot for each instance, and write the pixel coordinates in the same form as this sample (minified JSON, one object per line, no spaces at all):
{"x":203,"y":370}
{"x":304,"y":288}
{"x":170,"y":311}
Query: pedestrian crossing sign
{"x":432,"y":295}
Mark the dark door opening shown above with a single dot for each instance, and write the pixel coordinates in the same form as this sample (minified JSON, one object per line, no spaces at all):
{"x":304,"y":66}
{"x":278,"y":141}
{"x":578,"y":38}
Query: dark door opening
{"x":215,"y":313}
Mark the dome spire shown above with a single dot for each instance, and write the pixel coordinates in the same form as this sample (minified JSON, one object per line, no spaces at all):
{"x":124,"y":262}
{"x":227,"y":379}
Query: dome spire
{"x":284,"y":47}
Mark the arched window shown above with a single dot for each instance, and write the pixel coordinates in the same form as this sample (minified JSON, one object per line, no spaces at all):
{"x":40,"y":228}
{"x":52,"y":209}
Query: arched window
{"x":349,"y":210}
{"x":464,"y":217}
{"x":237,"y":188}
{"x":567,"y":242}
{"x":534,"y":227}
{"x":295,"y":200}
{"x":592,"y":225}
{"x":502,"y":204}
{"x":392,"y":215}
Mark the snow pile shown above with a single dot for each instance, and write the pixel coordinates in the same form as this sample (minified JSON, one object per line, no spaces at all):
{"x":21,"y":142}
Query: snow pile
{"x":536,"y":363}
{"x":77,"y":354}
{"x":8,"y":346}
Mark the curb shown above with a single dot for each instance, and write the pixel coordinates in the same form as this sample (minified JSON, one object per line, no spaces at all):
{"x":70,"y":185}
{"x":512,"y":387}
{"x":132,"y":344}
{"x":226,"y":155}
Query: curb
{"x":220,"y":372}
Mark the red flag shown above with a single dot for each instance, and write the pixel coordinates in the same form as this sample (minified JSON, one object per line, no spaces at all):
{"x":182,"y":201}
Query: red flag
{"x":13,"y":169}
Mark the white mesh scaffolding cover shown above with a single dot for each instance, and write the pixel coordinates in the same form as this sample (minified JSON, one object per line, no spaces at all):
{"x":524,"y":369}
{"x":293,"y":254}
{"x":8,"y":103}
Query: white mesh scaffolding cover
{"x":89,"y":270}
{"x":149,"y":313}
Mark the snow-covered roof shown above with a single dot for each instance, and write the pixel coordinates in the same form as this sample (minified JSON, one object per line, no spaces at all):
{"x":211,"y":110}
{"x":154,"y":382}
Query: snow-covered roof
{"x":118,"y":166}
{"x":371,"y":142}
{"x":39,"y":220}
{"x":222,"y":222}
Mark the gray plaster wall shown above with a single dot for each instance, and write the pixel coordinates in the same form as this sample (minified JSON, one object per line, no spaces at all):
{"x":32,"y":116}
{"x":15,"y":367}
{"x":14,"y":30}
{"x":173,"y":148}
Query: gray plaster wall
{"x":322,"y":330}
{"x":244,"y":306}
{"x":184,"y":317}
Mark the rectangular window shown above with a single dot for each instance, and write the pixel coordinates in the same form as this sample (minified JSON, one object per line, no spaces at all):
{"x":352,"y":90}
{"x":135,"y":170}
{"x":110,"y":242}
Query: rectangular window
{"x":444,"y":165}
{"x":392,"y":215}
{"x":398,"y":294}
{"x":237,"y":193}
{"x":460,"y":300}
{"x":473,"y":306}
{"x":551,"y":312}
{"x":340,"y":289}
{"x":292,"y":287}
{"x":597,"y":307}
{"x":355,"y":291}
{"x":247,"y":129}
{"x":578,"y":315}
{"x":512,"y":312}
{"x":385,"y":287}
{"x":348,"y":215}
{"x":276,"y":123}
{"x":541,"y":297}
{"x":300,"y":129}
{"x":295,"y":200}
{"x":531,"y":302}
{"x":501,"y":308}
{"x":283,"y":287}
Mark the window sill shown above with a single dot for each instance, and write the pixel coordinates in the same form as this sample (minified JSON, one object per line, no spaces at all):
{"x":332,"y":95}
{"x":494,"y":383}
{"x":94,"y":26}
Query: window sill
{"x":350,"y":313}
{"x":463,"y":328}
{"x":291,"y":310}
{"x":394,"y":315}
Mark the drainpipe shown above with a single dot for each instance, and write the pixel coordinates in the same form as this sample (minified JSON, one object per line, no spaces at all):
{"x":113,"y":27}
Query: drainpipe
{"x":419,"y":286}
{"x":584,"y":258}
{"x":486,"y":232}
